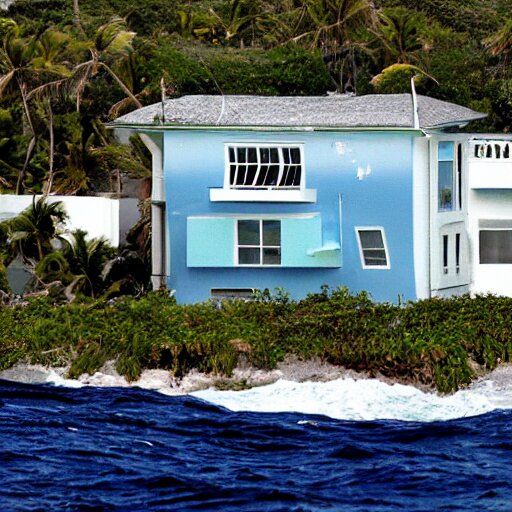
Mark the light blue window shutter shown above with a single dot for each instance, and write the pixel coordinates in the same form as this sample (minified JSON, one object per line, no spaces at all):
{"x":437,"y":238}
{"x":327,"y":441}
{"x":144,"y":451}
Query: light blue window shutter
{"x":301,"y":243}
{"x":210,"y":242}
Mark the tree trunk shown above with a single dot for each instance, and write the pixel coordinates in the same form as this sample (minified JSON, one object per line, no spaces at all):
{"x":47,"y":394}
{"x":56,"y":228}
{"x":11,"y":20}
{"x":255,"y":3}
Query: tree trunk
{"x":76,"y":15}
{"x":47,"y":189}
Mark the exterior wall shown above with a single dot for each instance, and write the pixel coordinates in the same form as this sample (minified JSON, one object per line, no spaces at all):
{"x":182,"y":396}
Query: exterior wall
{"x":99,"y":216}
{"x":490,"y":205}
{"x":421,"y":217}
{"x":450,"y":267}
{"x":361,"y":178}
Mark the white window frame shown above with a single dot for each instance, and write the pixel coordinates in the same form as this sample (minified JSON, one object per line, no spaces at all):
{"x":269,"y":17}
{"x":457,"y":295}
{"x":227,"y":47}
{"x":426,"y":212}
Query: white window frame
{"x":260,"y":246}
{"x":456,"y":185}
{"x":359,"y":229}
{"x":298,"y":193}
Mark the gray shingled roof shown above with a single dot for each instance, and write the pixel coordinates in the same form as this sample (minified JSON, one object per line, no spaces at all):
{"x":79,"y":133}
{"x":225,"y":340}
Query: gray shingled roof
{"x":335,"y":111}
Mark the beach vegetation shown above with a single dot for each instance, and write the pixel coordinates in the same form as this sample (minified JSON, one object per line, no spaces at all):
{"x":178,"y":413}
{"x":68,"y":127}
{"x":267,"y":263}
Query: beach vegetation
{"x":439,"y":343}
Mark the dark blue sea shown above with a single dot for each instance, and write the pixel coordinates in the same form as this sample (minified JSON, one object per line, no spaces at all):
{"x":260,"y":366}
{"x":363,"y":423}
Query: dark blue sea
{"x":101,"y":449}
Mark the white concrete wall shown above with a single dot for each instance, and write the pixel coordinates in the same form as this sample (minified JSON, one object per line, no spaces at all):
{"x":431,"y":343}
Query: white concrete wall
{"x":99,"y":216}
{"x":487,"y":205}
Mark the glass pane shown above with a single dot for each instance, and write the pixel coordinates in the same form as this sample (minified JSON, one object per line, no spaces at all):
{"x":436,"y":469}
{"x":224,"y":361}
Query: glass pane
{"x":241,"y":154}
{"x":248,"y":232}
{"x":240,"y":175}
{"x":496,"y":246}
{"x":291,"y":177}
{"x":251,"y":174}
{"x":232,"y":171}
{"x":371,"y":239}
{"x":286,"y":155}
{"x":295,"y":154}
{"x":271,"y":256}
{"x":445,"y":186}
{"x":253,"y":157}
{"x":248,"y":256}
{"x":271,"y":232}
{"x":262,"y":175}
{"x":232,"y":155}
{"x":271,"y":176}
{"x":445,"y":250}
{"x":274,"y":155}
{"x":375,"y":257}
{"x":265,"y":155}
{"x":445,"y":151}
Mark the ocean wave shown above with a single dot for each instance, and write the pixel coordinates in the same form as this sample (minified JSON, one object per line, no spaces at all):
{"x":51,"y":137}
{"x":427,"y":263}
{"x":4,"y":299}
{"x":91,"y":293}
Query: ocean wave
{"x":344,"y":397}
{"x":369,"y":399}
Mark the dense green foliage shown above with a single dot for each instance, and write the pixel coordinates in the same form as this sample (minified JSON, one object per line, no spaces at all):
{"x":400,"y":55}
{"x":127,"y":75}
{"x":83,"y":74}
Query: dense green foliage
{"x":436,"y":342}
{"x":67,"y":66}
{"x":67,"y":262}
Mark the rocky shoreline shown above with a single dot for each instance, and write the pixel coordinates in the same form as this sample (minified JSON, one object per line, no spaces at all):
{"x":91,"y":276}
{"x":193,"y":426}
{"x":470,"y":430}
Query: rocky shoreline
{"x":243,"y":377}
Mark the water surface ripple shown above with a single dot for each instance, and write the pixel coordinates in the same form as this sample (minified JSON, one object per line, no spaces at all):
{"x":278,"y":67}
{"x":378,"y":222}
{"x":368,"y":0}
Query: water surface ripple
{"x":129,"y":449}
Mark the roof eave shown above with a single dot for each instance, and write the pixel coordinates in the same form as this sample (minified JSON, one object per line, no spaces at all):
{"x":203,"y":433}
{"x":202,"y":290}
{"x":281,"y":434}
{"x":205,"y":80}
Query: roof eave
{"x":258,"y":128}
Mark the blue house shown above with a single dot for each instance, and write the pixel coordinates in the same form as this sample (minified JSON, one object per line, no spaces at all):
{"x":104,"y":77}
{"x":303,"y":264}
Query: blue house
{"x":378,"y":193}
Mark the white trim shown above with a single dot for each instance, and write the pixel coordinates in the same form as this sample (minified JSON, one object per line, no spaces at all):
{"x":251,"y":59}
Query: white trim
{"x":358,"y":229}
{"x":266,"y":195}
{"x":160,"y":245}
{"x":262,"y":193}
{"x":421,"y":217}
{"x":256,"y":216}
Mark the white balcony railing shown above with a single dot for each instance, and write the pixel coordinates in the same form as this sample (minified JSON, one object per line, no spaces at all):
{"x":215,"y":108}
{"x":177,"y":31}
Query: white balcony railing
{"x":490,"y":164}
{"x":491,"y":149}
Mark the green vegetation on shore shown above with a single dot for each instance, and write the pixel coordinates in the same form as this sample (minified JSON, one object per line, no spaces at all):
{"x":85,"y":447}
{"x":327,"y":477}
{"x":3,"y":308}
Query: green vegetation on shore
{"x":442,"y":343}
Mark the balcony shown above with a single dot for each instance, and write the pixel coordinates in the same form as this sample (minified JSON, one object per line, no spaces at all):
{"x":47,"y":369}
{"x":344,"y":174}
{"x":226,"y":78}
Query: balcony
{"x":490,"y":164}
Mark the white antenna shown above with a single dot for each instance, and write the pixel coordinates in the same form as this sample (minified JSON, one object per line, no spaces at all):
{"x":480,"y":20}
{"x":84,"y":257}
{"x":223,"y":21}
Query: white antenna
{"x":162,"y":92}
{"x":221,"y":110}
{"x":415,"y":104}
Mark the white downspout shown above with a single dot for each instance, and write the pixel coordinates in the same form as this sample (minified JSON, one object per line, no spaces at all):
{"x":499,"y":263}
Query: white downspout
{"x":158,"y":222}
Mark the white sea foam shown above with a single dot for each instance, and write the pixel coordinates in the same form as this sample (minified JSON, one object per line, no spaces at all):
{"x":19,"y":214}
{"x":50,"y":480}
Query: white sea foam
{"x":343,"y":397}
{"x":368,"y":399}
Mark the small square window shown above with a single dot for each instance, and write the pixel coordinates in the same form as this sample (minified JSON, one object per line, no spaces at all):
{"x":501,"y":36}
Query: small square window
{"x":259,"y":242}
{"x":495,"y":246}
{"x":372,"y":248}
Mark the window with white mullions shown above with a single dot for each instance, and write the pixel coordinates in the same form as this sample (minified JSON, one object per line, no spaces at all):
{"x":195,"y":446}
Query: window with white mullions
{"x":265,"y":167}
{"x":259,"y":242}
{"x":372,"y":247}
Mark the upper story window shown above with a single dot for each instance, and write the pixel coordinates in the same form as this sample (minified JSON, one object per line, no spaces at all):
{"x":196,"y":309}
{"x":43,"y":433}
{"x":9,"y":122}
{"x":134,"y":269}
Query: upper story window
{"x":264,"y":172}
{"x":449,"y":176}
{"x":265,"y":167}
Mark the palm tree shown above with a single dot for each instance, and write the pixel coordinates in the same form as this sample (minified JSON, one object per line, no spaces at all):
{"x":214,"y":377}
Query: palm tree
{"x":339,"y":29}
{"x":16,"y":56}
{"x":112,"y":42}
{"x":33,"y":231}
{"x":23,"y":62}
{"x":77,"y":20}
{"x":50,"y":46}
{"x":500,"y":44}
{"x":87,"y":259}
{"x":78,"y":267}
{"x":400,"y":35}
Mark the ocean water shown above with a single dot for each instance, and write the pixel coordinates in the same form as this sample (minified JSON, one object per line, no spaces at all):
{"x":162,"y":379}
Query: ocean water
{"x":337,"y":446}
